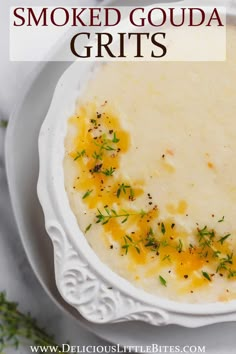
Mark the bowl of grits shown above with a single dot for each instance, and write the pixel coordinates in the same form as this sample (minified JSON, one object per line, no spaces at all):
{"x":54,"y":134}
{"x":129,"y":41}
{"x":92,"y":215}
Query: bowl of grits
{"x":137,"y":184}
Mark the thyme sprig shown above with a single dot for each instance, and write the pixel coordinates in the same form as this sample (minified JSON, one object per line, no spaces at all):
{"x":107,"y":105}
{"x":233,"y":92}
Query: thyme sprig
{"x":205,"y":237}
{"x":109,"y":171}
{"x":17,"y":328}
{"x":79,"y":154}
{"x":123,"y":188}
{"x":106,"y":144}
{"x":109,"y":214}
{"x":224,"y":262}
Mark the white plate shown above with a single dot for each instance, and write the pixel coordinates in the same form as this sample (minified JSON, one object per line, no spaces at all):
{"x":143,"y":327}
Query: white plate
{"x":22,"y":171}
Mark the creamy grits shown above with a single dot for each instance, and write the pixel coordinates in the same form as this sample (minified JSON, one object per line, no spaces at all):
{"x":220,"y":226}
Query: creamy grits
{"x":150,"y":173}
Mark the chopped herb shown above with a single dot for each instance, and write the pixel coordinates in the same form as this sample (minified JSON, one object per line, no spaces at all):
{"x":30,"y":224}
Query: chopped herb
{"x":222,"y":219}
{"x":115,"y":139}
{"x":163,"y":229}
{"x":109,"y":171}
{"x":222,"y":239}
{"x":87,"y":193}
{"x":88,"y":228}
{"x":205,"y":237}
{"x":93,"y":121}
{"x":216,"y":254}
{"x":151,"y":240}
{"x":79,"y":154}
{"x":97,"y":156}
{"x":224,"y":262}
{"x":162,"y":281}
{"x":180,"y":246}
{"x":123,"y":188}
{"x":167,"y":257}
{"x":206,"y":275}
{"x":232,"y":273}
{"x":130,"y":243}
{"x":104,"y":144}
{"x":164,"y":243}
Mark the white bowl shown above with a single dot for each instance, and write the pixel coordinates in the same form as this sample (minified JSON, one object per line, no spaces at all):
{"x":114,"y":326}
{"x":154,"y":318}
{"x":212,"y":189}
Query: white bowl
{"x":99,"y":294}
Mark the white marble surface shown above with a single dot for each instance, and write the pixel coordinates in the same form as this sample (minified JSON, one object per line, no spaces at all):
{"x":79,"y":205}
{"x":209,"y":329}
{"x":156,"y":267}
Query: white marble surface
{"x":16,"y":276}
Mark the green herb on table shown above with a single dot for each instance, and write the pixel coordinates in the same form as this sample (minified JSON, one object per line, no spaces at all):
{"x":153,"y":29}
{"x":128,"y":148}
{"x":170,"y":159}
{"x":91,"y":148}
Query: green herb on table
{"x":17,"y":328}
{"x":3,"y":123}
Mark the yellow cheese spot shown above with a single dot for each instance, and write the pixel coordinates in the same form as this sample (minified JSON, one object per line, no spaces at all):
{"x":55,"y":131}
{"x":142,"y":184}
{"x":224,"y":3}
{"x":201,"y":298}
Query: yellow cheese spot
{"x":181,"y":208}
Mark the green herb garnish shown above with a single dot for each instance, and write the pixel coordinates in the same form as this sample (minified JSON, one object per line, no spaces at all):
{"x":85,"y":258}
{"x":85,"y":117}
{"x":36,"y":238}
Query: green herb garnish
{"x":151,"y":240}
{"x":224,"y":262}
{"x":222,"y":239}
{"x":3,"y":123}
{"x":130,"y":243}
{"x":122,"y":189}
{"x":79,"y":154}
{"x":162,"y":281}
{"x":163,"y":229}
{"x":205,"y":237}
{"x":180,"y":246}
{"x":115,"y":139}
{"x":93,"y":121}
{"x":97,"y":156}
{"x":167,"y":257}
{"x":109,"y":214}
{"x":87,"y":193}
{"x":206,"y":275}
{"x":222,"y":219}
{"x":109,"y":171}
{"x":88,"y":228}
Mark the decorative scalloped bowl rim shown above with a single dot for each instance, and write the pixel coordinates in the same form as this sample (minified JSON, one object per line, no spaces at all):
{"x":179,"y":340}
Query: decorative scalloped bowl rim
{"x":60,"y":220}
